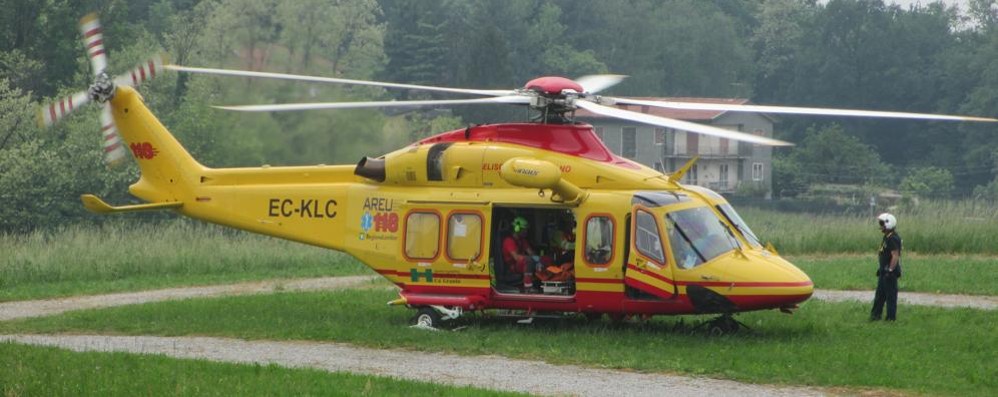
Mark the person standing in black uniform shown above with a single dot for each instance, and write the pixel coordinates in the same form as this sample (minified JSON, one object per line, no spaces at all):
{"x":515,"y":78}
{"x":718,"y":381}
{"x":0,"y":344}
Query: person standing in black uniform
{"x":889,"y":270}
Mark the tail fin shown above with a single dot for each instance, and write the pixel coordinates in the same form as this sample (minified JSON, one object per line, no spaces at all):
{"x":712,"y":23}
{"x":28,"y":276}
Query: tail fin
{"x":169,"y":173}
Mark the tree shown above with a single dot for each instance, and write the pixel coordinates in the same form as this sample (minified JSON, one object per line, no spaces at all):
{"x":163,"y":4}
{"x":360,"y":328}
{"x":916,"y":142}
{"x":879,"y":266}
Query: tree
{"x":829,"y":155}
{"x":777,"y":44}
{"x":928,"y":182}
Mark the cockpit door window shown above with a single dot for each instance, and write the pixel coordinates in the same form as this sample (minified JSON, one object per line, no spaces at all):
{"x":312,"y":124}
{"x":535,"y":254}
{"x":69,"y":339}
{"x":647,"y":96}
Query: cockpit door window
{"x":697,"y":235}
{"x":647,"y":269}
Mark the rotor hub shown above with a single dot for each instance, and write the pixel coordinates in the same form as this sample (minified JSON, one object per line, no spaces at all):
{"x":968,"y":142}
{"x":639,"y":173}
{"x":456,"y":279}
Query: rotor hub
{"x":102,"y":90}
{"x":553,"y":85}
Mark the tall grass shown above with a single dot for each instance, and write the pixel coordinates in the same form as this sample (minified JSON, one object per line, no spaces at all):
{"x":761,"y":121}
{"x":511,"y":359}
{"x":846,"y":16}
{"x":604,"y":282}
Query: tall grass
{"x":938,"y":227}
{"x":47,"y":371}
{"x":929,"y":351}
{"x":123,"y":256}
{"x":974,"y":275}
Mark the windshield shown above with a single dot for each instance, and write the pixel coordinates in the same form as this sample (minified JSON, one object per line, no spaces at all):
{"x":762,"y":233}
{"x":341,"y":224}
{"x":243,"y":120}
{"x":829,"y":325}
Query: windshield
{"x":729,"y":212}
{"x":697,"y":235}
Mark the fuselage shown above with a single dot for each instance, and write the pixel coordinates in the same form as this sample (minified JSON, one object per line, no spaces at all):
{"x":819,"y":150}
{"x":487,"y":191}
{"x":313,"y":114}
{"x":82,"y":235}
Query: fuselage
{"x":432,"y":217}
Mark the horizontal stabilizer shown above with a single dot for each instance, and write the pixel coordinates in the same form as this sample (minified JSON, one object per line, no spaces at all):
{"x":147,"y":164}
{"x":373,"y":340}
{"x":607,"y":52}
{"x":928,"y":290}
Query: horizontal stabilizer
{"x":96,"y":205}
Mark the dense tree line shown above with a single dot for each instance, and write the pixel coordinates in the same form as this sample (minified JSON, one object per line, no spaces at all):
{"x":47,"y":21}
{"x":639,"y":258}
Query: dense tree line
{"x":839,"y":53}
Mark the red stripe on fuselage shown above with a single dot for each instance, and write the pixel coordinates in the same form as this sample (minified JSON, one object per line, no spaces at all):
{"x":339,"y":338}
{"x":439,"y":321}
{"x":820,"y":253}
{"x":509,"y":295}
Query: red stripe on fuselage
{"x":749,"y":284}
{"x":435,"y":275}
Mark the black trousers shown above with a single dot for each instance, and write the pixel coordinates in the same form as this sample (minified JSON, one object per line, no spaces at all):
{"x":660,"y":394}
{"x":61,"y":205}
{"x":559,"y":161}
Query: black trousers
{"x":887,"y":291}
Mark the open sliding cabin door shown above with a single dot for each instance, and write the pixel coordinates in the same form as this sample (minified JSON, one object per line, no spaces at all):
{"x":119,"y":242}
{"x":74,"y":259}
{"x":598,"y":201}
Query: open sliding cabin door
{"x":647,"y":267}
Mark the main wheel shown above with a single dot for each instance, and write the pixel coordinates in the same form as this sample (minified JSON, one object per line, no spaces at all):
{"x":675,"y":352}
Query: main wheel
{"x":427,"y":317}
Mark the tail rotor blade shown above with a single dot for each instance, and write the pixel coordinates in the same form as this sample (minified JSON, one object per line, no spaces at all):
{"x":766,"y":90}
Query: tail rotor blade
{"x":55,"y":111}
{"x":144,"y":71}
{"x":93,"y":41}
{"x":114,"y":147}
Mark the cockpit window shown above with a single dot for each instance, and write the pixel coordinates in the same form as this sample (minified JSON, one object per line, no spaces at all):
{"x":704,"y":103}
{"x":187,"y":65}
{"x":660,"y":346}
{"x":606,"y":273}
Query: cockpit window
{"x":740,"y":224}
{"x":647,"y":239}
{"x":697,"y":235}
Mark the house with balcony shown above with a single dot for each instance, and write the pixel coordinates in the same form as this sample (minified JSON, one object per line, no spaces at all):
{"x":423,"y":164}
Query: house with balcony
{"x":724,"y":165}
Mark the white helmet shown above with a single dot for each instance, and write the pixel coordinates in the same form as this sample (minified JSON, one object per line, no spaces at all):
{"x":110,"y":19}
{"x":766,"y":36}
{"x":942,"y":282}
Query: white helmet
{"x":887,"y":220}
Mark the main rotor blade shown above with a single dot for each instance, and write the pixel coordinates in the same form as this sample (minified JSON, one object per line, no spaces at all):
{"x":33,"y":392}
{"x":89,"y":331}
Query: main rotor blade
{"x":598,"y":82}
{"x":295,"y":77}
{"x":93,"y":41}
{"x":382,"y":104}
{"x":678,"y":124}
{"x":52,"y":113}
{"x":799,"y":110}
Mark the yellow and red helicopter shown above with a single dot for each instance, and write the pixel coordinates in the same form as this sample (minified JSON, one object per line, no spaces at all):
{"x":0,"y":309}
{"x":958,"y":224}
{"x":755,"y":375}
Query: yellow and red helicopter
{"x":434,"y":217}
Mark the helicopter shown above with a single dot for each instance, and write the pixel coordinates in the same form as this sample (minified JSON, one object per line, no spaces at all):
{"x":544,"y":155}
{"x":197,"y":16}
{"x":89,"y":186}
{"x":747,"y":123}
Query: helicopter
{"x":592,"y":233}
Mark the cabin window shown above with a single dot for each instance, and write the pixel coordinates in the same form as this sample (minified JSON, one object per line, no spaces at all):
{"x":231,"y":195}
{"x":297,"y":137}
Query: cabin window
{"x":422,"y":235}
{"x":599,"y":240}
{"x":464,"y":236}
{"x":646,"y":237}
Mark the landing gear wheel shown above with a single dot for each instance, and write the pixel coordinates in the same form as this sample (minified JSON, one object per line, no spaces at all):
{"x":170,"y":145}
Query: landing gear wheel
{"x":724,"y":325}
{"x":427,"y":317}
{"x":593,"y":317}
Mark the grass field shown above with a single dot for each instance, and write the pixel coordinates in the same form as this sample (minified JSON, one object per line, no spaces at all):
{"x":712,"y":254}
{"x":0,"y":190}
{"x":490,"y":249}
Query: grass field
{"x":46,"y":371}
{"x":929,"y":351}
{"x":930,"y":228}
{"x":973,"y":275}
{"x":126,"y":257}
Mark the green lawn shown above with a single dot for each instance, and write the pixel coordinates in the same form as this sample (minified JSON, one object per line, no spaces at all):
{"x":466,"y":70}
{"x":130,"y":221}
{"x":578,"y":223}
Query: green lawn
{"x":127,"y":257}
{"x":946,"y":227}
{"x":929,"y":351}
{"x":975,"y":275}
{"x":48,"y":371}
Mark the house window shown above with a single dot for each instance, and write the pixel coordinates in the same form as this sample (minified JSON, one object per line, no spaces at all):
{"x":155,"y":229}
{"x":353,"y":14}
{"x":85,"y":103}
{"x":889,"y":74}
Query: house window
{"x":658,"y":166}
{"x":599,"y":133}
{"x":756,"y":171}
{"x":692,"y":175}
{"x":724,"y":176}
{"x":628,"y":142}
{"x":659,"y":136}
{"x":599,"y":240}
{"x":422,"y":235}
{"x":692,"y":143}
{"x":464,"y":237}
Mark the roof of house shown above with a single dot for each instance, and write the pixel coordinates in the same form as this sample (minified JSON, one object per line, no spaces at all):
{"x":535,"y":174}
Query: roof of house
{"x":681,"y":114}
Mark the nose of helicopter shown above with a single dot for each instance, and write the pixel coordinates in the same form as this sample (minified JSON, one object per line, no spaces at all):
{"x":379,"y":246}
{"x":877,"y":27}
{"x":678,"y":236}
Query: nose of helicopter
{"x":771,"y":282}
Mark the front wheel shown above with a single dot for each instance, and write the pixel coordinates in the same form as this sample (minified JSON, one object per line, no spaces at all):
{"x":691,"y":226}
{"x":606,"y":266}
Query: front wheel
{"x":427,"y":317}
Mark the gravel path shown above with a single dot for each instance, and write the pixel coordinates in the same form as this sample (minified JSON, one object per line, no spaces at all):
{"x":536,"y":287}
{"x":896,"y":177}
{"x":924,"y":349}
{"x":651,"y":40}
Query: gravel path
{"x":49,"y":307}
{"x":481,"y":371}
{"x":488,"y":372}
{"x":914,"y":298}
